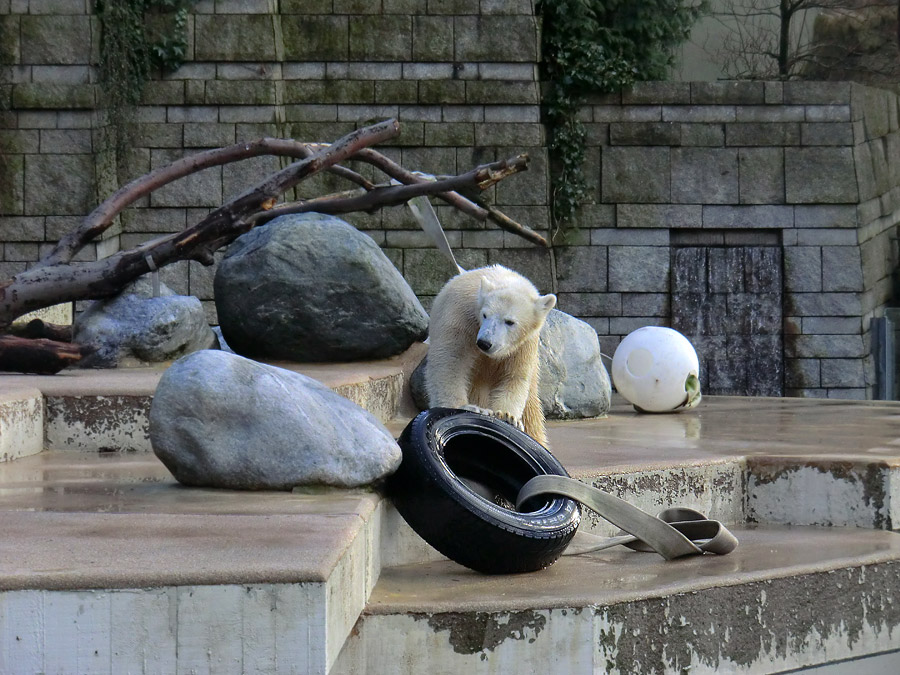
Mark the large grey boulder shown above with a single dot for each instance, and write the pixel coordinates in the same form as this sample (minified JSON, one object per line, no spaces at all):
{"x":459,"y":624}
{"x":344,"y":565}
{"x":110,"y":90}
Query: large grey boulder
{"x":220,"y":420}
{"x":135,"y":328}
{"x":574,"y":381}
{"x":313,"y":288}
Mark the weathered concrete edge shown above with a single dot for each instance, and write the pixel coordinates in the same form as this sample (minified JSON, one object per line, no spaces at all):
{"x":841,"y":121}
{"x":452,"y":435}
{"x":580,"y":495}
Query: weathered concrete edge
{"x":111,"y":413}
{"x":854,"y":490}
{"x":21,"y":423}
{"x":758,"y":626}
{"x":169,"y":629}
{"x":317,"y":611}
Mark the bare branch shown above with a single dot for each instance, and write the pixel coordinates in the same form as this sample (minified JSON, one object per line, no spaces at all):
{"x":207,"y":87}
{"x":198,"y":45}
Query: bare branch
{"x":481,"y":177}
{"x":829,"y":39}
{"x":99,"y":220}
{"x":59,"y":279}
{"x":48,"y":284}
{"x":397,"y":172}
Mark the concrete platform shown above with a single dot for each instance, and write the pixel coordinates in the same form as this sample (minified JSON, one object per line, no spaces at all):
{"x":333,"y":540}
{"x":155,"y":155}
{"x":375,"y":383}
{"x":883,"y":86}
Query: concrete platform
{"x":107,"y":565}
{"x":106,"y":410}
{"x":786,"y":598}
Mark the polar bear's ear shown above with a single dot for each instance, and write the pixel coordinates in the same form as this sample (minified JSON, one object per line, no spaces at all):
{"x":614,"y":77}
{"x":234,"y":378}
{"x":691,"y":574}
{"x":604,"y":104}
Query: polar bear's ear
{"x":546,"y":302}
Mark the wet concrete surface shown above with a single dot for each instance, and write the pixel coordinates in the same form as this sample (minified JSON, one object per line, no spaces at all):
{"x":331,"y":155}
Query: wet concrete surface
{"x":50,"y":498}
{"x":621,"y":575}
{"x":70,"y":551}
{"x":727,"y":428}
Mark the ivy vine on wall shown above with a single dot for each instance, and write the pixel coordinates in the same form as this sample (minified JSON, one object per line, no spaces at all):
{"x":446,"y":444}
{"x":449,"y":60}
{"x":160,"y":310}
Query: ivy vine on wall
{"x":599,"y":46}
{"x":138,"y":37}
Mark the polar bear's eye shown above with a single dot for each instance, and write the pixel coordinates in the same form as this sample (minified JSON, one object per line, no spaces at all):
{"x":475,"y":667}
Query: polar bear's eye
{"x":484,"y":316}
{"x":510,"y":322}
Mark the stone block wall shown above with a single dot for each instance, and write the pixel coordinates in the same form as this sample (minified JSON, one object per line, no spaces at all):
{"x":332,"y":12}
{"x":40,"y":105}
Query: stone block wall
{"x":461,"y":76}
{"x":46,"y":121}
{"x":812,"y":167}
{"x":809,"y":168}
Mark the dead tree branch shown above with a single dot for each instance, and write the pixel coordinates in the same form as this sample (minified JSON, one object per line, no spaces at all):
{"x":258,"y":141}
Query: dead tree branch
{"x":99,"y":220}
{"x":481,"y":177}
{"x":43,"y":357}
{"x":470,"y":208}
{"x":57,"y":278}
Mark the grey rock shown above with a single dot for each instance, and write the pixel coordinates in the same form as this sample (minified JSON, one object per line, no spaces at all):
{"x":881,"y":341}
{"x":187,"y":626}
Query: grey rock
{"x":574,"y":381}
{"x":762,"y":175}
{"x":841,"y":269}
{"x":220,"y":420}
{"x":803,"y":268}
{"x":135,"y":328}
{"x":639,"y":269}
{"x":634,"y":174}
{"x":313,"y":288}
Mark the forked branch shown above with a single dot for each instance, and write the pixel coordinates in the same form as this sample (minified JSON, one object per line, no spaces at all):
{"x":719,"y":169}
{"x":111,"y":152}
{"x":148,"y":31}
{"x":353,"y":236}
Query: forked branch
{"x":57,"y":278}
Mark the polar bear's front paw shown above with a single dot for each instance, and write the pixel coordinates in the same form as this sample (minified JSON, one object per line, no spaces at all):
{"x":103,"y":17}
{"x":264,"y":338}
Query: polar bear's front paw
{"x":509,"y":418}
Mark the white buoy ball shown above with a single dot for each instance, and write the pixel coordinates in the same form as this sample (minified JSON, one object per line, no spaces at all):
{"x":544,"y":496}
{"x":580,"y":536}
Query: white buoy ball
{"x":656,"y":369}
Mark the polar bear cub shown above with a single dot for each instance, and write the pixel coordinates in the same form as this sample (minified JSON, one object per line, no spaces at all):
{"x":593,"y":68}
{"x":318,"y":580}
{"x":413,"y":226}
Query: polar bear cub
{"x":483,"y":353}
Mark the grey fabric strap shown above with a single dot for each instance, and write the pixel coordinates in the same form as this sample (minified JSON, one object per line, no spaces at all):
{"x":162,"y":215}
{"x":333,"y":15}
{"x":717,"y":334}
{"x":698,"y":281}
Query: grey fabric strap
{"x":675,"y":533}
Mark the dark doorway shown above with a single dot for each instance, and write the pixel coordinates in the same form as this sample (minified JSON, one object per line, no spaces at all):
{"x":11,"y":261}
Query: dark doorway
{"x":727,"y":300}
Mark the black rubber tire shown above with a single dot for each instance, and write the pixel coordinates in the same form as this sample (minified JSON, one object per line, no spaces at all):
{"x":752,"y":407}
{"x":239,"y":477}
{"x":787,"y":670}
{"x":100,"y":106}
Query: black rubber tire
{"x":457,"y":488}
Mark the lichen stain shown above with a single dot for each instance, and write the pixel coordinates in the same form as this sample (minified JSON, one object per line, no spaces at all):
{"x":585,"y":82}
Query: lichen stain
{"x":872,"y":476}
{"x":471,"y":633}
{"x":24,"y":411}
{"x":99,"y":415}
{"x":670,"y":484}
{"x":875,"y":494}
{"x":743,"y":625}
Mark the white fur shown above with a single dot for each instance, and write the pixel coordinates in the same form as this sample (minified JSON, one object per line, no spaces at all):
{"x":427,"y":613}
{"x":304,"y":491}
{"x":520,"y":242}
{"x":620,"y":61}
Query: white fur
{"x":503,"y":312}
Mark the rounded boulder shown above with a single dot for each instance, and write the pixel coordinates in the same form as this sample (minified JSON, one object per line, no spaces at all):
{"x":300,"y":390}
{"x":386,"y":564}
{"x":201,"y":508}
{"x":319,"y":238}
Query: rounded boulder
{"x":574,"y":381}
{"x":312,"y":287}
{"x":136,"y":327}
{"x":220,"y":420}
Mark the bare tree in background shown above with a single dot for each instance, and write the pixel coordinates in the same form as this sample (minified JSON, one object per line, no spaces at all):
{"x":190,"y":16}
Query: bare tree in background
{"x":809,"y":39}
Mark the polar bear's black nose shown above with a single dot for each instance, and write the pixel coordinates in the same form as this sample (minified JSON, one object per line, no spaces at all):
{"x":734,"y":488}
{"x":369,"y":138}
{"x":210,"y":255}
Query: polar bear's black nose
{"x":484,"y":345}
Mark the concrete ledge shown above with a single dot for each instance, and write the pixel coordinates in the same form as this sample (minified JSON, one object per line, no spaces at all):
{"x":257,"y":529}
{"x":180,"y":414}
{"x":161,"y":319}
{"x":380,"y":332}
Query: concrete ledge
{"x":77,"y":551}
{"x":107,"y":410}
{"x":245,"y":628}
{"x":104,"y":549}
{"x":114,"y":564}
{"x":787,"y":598}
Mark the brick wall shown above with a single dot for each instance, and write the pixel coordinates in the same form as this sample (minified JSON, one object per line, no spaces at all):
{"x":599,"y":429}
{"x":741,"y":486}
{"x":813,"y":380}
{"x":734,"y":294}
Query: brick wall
{"x":811,"y":168}
{"x":461,"y":76}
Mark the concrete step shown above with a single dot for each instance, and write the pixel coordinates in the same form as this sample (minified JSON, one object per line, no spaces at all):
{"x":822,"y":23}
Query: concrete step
{"x":106,"y":410}
{"x":788,"y":597}
{"x":21,"y":423}
{"x":107,"y":565}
